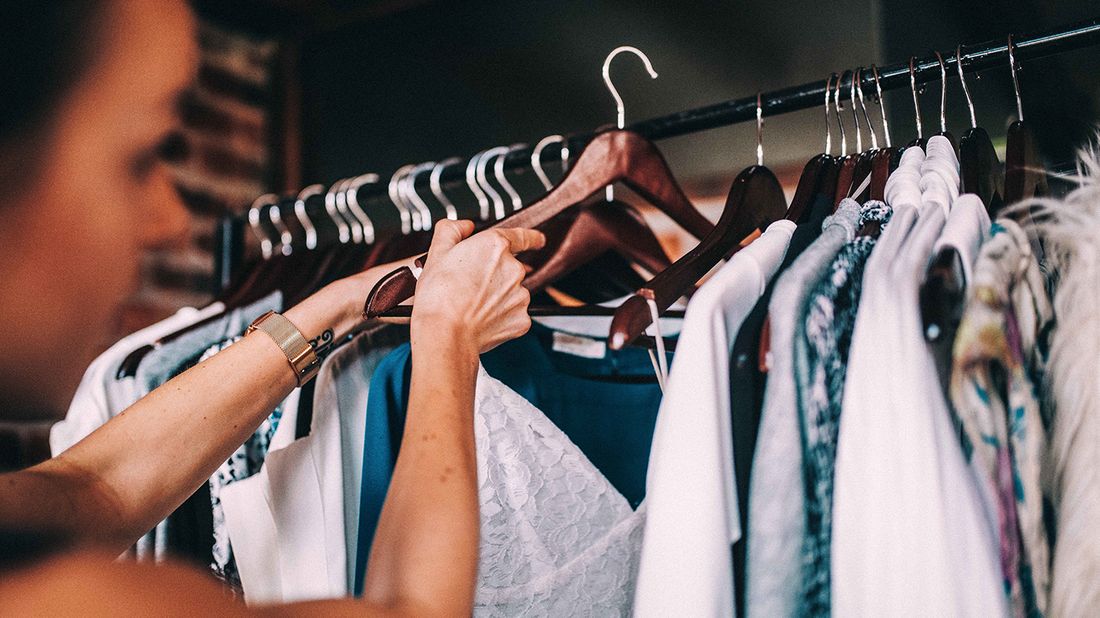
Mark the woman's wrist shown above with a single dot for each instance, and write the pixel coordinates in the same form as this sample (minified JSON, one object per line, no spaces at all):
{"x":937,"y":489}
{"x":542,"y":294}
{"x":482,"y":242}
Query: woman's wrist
{"x":334,"y":309}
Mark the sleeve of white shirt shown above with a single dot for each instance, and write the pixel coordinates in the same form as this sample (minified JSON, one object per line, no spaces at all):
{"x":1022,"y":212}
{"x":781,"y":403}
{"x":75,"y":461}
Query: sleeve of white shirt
{"x":691,"y":499}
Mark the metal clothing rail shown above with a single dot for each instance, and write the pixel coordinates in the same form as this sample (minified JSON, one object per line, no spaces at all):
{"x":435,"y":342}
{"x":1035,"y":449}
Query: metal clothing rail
{"x":974,"y":57}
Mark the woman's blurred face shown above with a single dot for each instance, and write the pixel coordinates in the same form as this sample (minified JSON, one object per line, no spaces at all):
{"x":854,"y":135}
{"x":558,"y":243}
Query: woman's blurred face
{"x":71,"y":239}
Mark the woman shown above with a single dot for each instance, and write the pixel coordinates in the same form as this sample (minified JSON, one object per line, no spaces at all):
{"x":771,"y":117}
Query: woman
{"x":95,"y":89}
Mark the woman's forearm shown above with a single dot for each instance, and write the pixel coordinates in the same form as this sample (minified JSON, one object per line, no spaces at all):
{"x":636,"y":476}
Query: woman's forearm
{"x":121,"y":480}
{"x":424,"y":556}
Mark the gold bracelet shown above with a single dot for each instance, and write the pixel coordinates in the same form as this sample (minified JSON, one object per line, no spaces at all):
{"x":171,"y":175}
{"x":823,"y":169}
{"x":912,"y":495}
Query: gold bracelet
{"x":299,"y":353}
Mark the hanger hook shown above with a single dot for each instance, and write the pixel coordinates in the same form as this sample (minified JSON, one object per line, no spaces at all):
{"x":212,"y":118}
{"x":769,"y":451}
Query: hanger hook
{"x":966,"y":89}
{"x":498,"y":202}
{"x":437,"y":187}
{"x":409,"y":223}
{"x":475,"y":188}
{"x":916,"y":103}
{"x":286,"y":239}
{"x":1015,"y":78}
{"x":828,"y":124}
{"x":943,"y":93}
{"x":267,"y":248}
{"x":536,"y":157}
{"x":759,"y":131}
{"x":407,"y":189}
{"x":343,"y":234}
{"x":502,"y":180}
{"x":863,"y":106}
{"x":839,"y":120}
{"x":356,"y":209}
{"x":355,"y":227}
{"x":619,"y":107}
{"x":855,"y":112}
{"x":881,"y":105}
{"x":303,"y":217}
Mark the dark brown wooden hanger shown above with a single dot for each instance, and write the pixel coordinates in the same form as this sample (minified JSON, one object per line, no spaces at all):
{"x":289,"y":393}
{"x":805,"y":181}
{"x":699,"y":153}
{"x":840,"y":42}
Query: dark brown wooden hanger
{"x":606,"y":226}
{"x":755,"y":200}
{"x":613,"y":156}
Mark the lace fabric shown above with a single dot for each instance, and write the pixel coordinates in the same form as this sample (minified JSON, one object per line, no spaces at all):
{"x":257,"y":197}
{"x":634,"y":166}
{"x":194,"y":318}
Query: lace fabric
{"x":556,"y":537}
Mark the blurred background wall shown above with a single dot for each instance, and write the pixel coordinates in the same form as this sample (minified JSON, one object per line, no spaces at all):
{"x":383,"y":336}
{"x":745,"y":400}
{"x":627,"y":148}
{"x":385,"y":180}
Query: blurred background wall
{"x":300,"y":91}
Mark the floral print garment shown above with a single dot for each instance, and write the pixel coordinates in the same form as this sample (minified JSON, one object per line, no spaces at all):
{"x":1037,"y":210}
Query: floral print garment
{"x":998,"y":366}
{"x":821,"y":358}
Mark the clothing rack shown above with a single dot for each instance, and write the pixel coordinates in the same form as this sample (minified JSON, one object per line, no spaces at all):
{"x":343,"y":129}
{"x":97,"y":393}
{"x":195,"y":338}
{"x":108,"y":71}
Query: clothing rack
{"x":974,"y":58}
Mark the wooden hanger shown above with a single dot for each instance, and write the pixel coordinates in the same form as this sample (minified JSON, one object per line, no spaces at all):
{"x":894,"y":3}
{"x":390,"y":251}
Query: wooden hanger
{"x":755,"y":200}
{"x":601,"y":227}
{"x":613,"y":156}
{"x":1024,"y":175}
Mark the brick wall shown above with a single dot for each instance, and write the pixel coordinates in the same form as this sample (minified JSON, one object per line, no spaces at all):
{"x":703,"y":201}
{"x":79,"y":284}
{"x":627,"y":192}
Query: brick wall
{"x":224,"y":165}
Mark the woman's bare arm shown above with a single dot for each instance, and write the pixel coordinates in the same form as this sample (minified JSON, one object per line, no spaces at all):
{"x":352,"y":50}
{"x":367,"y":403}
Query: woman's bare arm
{"x":117,"y":483}
{"x":424,"y":558}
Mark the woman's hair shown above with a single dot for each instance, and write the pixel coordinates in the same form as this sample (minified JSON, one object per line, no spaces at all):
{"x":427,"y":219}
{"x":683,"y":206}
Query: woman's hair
{"x":44,"y":48}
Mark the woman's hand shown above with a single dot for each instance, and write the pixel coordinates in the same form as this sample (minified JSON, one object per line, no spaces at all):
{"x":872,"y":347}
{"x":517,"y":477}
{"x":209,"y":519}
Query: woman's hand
{"x":471,"y":290}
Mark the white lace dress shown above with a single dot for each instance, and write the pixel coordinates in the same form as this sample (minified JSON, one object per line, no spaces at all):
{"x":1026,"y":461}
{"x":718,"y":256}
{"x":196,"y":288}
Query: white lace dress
{"x":557,"y":539}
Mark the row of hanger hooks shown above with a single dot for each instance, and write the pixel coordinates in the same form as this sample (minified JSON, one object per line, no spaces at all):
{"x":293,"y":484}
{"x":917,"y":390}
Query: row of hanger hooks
{"x":354,"y":225}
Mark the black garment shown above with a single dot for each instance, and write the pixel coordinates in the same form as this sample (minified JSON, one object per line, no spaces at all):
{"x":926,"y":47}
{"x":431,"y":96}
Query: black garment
{"x":747,"y":382}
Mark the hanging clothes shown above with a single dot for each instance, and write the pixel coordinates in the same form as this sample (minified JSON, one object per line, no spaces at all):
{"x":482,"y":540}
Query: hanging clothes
{"x":910,"y":534}
{"x":1068,"y":228}
{"x":999,"y":359}
{"x":690,"y":476}
{"x":747,"y":379}
{"x":600,"y":401}
{"x":289,"y":523}
{"x":820,"y":356}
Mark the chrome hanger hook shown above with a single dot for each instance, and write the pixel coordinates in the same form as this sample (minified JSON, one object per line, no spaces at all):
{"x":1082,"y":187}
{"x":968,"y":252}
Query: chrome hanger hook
{"x":620,"y":109}
{"x":1015,"y":79}
{"x":966,"y":89}
{"x":536,"y":158}
{"x":943,"y":93}
{"x":407,"y":189}
{"x":916,"y":103}
{"x":881,"y":106}
{"x":342,"y":207}
{"x":303,"y":217}
{"x":855,"y":113}
{"x":356,"y":209}
{"x":828,"y":124}
{"x":343,"y":232}
{"x":475,"y":188}
{"x":408,"y":222}
{"x":839,"y":120}
{"x":437,"y":187}
{"x":759,"y":131}
{"x":863,"y":106}
{"x":498,"y":201}
{"x":286,"y":240}
{"x":498,"y":171}
{"x":267,"y":247}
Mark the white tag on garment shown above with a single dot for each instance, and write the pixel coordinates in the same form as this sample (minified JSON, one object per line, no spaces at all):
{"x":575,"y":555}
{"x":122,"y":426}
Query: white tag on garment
{"x":579,"y":346}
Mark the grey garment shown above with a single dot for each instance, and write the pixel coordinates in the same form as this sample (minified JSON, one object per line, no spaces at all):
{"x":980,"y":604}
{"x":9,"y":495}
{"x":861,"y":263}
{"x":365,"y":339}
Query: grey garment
{"x":820,"y":363}
{"x":169,"y":360}
{"x":776,"y":521}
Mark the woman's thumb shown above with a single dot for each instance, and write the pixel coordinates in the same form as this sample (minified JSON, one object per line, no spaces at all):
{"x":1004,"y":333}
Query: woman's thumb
{"x":448,"y":234}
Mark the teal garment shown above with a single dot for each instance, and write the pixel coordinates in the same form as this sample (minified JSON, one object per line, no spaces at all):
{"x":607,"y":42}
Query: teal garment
{"x":607,"y":406}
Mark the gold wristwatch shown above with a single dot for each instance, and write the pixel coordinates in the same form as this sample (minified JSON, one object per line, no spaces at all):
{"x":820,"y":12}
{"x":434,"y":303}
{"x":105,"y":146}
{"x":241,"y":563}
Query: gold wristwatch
{"x":301,"y":355}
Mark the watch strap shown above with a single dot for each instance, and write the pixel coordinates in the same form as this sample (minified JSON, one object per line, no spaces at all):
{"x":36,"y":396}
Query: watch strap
{"x":299,"y":353}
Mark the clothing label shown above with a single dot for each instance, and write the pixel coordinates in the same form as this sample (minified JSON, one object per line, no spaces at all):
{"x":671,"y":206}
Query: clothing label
{"x":579,"y":346}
